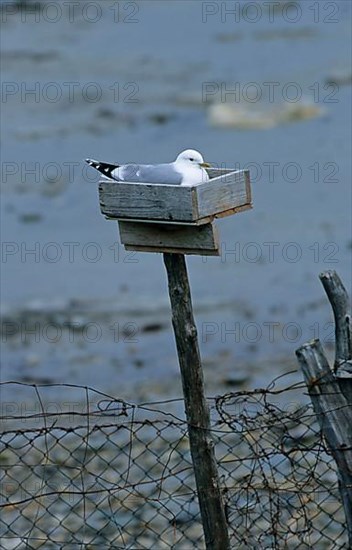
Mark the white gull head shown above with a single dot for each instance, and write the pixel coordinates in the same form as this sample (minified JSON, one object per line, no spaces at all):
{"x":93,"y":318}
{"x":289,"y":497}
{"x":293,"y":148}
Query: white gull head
{"x":190,"y":164}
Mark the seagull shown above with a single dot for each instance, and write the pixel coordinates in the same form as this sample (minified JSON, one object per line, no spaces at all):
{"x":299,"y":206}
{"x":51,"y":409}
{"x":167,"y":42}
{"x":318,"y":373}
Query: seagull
{"x":188,"y":169}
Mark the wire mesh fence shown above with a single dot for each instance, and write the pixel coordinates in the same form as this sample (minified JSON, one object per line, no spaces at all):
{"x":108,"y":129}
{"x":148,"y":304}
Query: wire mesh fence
{"x":98,"y":472}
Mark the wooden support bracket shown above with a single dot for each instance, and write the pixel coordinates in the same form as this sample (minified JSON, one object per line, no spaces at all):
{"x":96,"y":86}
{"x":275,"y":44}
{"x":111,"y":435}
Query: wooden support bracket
{"x":180,"y":239}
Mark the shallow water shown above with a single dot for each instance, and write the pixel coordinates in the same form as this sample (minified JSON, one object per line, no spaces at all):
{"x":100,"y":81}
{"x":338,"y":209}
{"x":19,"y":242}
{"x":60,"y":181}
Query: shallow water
{"x":158,"y":77}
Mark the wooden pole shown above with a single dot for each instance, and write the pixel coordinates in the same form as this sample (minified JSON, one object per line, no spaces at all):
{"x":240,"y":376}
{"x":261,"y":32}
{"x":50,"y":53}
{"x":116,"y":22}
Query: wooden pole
{"x":197,"y":412}
{"x":334,"y":414}
{"x":339,"y":300}
{"x":331,"y":392}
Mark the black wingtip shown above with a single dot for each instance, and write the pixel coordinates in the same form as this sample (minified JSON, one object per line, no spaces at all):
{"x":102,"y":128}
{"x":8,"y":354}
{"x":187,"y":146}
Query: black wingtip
{"x":103,"y":167}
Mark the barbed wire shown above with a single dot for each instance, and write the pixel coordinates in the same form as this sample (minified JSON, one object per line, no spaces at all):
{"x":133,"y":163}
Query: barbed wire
{"x":89,"y":470}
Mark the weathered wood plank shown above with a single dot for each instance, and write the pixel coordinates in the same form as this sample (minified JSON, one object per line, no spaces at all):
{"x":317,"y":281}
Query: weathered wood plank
{"x":166,"y":249}
{"x":166,"y":237}
{"x":146,"y":201}
{"x":232,"y":211}
{"x":223,"y":193}
{"x":216,"y":172}
{"x":196,"y":223}
{"x":248,"y":186}
{"x":197,"y":412}
{"x":334,"y":413}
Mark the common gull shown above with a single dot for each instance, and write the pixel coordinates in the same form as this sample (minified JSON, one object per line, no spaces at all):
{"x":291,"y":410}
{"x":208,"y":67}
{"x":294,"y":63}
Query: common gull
{"x":187,"y":169}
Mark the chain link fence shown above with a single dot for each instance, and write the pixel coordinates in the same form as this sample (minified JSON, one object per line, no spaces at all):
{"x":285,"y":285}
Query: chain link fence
{"x":82,"y":469}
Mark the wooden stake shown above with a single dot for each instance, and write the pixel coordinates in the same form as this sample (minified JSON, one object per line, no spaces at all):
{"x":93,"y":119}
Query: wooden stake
{"x":197,"y":412}
{"x":339,"y":300}
{"x":331,"y":394}
{"x":334,"y":415}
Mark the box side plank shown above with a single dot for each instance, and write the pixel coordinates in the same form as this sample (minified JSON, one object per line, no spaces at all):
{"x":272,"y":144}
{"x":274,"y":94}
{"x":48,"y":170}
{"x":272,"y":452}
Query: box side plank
{"x":223,"y":194}
{"x":146,"y":201}
{"x":216,"y":172}
{"x":188,"y":251}
{"x":201,"y":239}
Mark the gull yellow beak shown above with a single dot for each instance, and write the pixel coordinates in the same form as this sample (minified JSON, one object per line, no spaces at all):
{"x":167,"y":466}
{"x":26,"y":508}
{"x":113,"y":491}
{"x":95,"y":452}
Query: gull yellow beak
{"x":205,"y":164}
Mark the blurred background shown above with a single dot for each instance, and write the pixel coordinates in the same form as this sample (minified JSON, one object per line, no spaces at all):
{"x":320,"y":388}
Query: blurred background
{"x":258,"y":85}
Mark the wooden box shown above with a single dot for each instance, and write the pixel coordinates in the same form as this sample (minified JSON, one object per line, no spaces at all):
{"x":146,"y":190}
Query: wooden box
{"x":175,"y":218}
{"x":227,"y":192}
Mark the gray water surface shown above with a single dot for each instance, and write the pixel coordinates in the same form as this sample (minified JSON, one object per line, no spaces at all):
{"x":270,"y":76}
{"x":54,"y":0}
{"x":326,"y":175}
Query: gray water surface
{"x":152,"y":75}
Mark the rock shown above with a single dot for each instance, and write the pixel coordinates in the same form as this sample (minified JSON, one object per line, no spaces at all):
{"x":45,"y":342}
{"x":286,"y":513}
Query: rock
{"x":30,"y":217}
{"x":237,"y":379}
{"x":341,"y":77}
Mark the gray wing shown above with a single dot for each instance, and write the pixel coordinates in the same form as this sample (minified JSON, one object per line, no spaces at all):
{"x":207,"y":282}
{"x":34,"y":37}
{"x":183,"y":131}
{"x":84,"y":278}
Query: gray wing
{"x":126,"y":172}
{"x":149,"y":173}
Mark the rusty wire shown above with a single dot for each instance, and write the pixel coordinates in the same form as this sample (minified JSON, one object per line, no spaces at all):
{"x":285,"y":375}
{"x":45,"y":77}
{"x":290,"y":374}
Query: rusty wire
{"x":106,"y":473}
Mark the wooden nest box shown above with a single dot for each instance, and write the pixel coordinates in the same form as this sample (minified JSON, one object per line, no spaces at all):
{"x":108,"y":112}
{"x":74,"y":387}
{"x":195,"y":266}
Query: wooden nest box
{"x":175,"y":218}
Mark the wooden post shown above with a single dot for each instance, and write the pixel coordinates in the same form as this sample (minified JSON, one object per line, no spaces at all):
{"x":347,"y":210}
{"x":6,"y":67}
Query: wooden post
{"x":339,"y":300}
{"x":331,"y":393}
{"x":197,"y":412}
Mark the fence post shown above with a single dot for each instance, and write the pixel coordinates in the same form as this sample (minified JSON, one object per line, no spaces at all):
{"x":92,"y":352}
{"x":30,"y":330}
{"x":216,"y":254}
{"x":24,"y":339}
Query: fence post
{"x":331,"y":393}
{"x":339,"y":300}
{"x":197,"y":412}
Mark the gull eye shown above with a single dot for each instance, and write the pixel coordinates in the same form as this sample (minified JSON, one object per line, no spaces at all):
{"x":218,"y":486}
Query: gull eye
{"x":191,"y":159}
